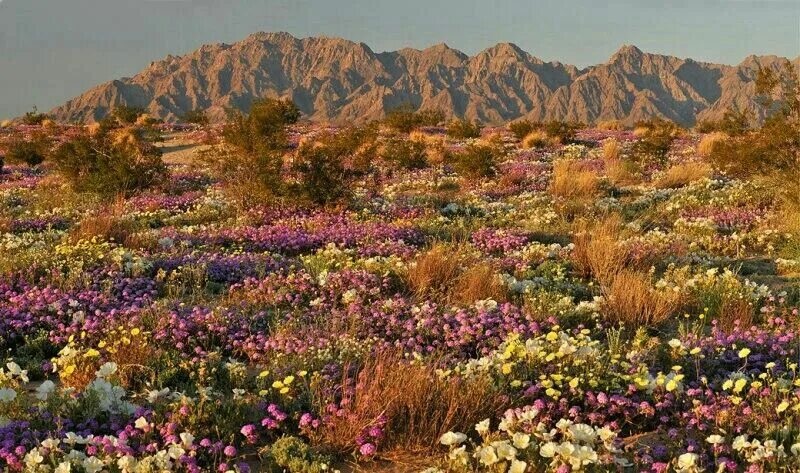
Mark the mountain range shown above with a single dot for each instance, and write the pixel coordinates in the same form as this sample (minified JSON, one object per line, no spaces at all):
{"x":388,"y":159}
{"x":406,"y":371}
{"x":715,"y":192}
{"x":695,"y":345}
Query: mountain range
{"x":339,"y":81}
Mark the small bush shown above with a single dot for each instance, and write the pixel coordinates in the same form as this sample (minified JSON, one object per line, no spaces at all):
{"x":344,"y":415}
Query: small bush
{"x":562,"y":132}
{"x":407,"y":154}
{"x":655,"y":139}
{"x":34,"y":117}
{"x":127,"y":115}
{"x":109,"y":163}
{"x":622,"y":172}
{"x":733,"y":123}
{"x":433,"y":272}
{"x":404,"y":118}
{"x":295,"y":456}
{"x":31,"y":152}
{"x":463,"y":129}
{"x":522,"y":128}
{"x":323,"y":177}
{"x":196,"y":117}
{"x":477,"y":160}
{"x":610,"y":125}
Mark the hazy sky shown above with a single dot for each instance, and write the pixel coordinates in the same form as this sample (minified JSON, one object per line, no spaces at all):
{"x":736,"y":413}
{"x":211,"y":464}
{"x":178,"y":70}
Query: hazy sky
{"x":52,"y":50}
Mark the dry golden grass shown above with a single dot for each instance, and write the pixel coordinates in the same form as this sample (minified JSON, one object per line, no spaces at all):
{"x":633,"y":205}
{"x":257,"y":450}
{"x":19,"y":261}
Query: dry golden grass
{"x":621,"y":173}
{"x":612,"y":150}
{"x":433,"y":272}
{"x":571,"y":180}
{"x":536,"y":139}
{"x":640,"y":131}
{"x":612,"y":125}
{"x":479,"y":282}
{"x":682,"y":174}
{"x":106,"y":224}
{"x":6,"y":123}
{"x":708,"y":142}
{"x":597,"y":252}
{"x":631,"y":299}
{"x":418,"y":406}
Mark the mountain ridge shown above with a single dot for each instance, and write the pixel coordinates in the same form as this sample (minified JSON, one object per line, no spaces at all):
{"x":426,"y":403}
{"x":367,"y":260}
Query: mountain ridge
{"x":339,"y":81}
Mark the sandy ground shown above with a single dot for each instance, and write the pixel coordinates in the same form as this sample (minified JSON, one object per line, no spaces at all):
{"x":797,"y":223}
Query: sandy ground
{"x":178,"y":149}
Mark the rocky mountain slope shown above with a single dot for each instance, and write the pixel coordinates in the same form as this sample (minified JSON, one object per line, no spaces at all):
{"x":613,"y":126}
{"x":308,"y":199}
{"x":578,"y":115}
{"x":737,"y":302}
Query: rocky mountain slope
{"x":339,"y":81}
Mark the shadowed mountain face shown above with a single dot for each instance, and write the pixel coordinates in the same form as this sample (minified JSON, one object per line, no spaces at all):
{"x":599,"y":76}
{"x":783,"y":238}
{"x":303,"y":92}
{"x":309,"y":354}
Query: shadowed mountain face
{"x":339,"y":81}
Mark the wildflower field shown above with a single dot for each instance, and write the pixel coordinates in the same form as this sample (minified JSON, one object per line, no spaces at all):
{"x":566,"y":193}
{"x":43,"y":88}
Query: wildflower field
{"x":594,"y":300}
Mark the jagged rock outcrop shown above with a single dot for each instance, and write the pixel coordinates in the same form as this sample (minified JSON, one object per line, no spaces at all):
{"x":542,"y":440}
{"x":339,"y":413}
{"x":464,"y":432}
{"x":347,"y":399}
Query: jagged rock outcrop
{"x":339,"y":81}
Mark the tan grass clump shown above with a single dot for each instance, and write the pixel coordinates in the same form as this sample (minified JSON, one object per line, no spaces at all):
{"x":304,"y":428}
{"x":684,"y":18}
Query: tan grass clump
{"x":682,"y":174}
{"x":571,"y":180}
{"x":631,"y":299}
{"x":477,"y":283}
{"x":6,"y":123}
{"x":418,"y":405}
{"x":612,"y":150}
{"x":709,"y":141}
{"x":536,"y":139}
{"x":597,"y":252}
{"x":621,"y":173}
{"x":106,"y":225}
{"x":432,"y":273}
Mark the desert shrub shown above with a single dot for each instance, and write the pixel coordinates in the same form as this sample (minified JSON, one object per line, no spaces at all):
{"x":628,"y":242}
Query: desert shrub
{"x":126,"y":114}
{"x":681,"y":174}
{"x":775,"y":147}
{"x":621,"y":172}
{"x":631,"y":298}
{"x":571,"y":180}
{"x":407,"y":154}
{"x":296,"y":456}
{"x":197,"y":117}
{"x":610,"y":125}
{"x":536,"y":139}
{"x":522,"y":128}
{"x":412,"y":402}
{"x":405,"y":118}
{"x":31,"y":151}
{"x":107,"y":224}
{"x":249,"y":161}
{"x":597,"y":252}
{"x":34,"y":117}
{"x":709,"y":141}
{"x":323,"y":174}
{"x":109,"y":163}
{"x":655,"y":139}
{"x":733,"y":123}
{"x":562,"y":132}
{"x":477,"y":160}
{"x":462,"y":128}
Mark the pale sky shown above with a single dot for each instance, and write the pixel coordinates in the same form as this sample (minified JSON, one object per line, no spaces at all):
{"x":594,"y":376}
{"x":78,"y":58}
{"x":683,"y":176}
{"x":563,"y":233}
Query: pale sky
{"x":53,"y":50}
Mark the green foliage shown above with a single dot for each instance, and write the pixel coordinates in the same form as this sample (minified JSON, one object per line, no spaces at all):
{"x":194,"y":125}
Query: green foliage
{"x":31,"y":152}
{"x":126,"y":114}
{"x":477,"y":160}
{"x":773,"y":149}
{"x":733,"y":123}
{"x":463,"y":129}
{"x":522,"y":128}
{"x":322,"y":171}
{"x":109,"y":163}
{"x":197,"y":117}
{"x":405,"y":119}
{"x":295,"y":456}
{"x":34,"y":117}
{"x":407,"y":154}
{"x":656,"y":140}
{"x":562,"y":131}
